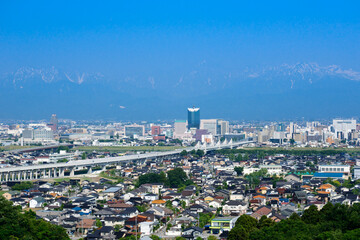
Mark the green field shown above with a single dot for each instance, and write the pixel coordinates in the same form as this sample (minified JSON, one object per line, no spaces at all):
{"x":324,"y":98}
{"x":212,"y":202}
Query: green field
{"x":14,"y":147}
{"x":294,"y":150}
{"x":126,"y":149}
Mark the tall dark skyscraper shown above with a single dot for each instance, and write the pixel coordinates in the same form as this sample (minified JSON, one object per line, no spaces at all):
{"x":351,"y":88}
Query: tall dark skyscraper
{"x":193,"y":118}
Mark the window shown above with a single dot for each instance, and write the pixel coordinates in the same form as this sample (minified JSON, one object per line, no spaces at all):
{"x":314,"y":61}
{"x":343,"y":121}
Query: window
{"x":226,"y":224}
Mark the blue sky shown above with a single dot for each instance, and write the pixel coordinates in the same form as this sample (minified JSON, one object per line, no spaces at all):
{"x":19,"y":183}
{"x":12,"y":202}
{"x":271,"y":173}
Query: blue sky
{"x":102,"y":35}
{"x":165,"y":39}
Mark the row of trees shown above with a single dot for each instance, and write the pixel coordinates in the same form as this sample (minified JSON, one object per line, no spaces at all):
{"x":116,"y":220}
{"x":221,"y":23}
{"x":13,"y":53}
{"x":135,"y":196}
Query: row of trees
{"x":194,"y":153}
{"x":22,"y":186}
{"x":331,"y":222}
{"x":174,"y":178}
{"x":260,"y":152}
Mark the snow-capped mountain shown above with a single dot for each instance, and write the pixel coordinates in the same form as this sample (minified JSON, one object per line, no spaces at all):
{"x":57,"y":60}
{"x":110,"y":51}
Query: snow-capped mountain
{"x":284,"y":91}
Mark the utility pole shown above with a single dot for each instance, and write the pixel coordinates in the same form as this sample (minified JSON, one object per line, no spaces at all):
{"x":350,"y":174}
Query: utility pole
{"x":136,"y":227}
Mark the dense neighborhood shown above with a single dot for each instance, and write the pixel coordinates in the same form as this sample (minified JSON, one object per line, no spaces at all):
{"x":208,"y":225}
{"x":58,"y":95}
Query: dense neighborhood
{"x":191,"y":196}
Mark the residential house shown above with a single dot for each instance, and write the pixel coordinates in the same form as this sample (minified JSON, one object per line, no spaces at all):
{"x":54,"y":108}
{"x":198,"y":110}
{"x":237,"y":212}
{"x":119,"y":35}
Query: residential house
{"x":151,"y":197}
{"x":221,"y":224}
{"x":262,"y":211}
{"x":105,"y":232}
{"x":158,"y":203}
{"x":192,"y":233}
{"x":37,"y":202}
{"x":235,"y":208}
{"x":112,"y":192}
{"x":146,"y":228}
{"x":85,"y":225}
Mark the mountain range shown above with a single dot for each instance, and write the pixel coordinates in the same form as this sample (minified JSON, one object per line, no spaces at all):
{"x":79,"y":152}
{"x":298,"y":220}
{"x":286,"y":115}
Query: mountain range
{"x":286,"y":91}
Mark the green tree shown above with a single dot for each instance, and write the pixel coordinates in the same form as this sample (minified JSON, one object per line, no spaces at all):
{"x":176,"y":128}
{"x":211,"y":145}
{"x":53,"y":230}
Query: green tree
{"x":177,"y":177}
{"x":22,"y":186}
{"x":212,"y":237}
{"x":247,"y":222}
{"x":150,"y":178}
{"x":154,"y":237}
{"x":200,"y":153}
{"x":180,"y":238}
{"x":239,"y":170}
{"x":311,"y":215}
{"x":331,"y":222}
{"x":117,"y":228}
{"x":163,"y":178}
{"x":265,"y":222}
{"x":98,"y":223}
{"x":183,"y":153}
{"x":15,"y":224}
{"x":60,"y":148}
{"x":141,"y":208}
{"x":64,"y":160}
{"x":239,"y":157}
{"x":238,"y":233}
{"x":326,"y":211}
{"x":205,"y":218}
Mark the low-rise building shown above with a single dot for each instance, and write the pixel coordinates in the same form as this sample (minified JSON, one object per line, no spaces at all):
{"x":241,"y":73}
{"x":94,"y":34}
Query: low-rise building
{"x":221,"y":224}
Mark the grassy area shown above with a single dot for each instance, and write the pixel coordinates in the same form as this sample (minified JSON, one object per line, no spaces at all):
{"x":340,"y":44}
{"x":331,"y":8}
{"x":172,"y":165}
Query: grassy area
{"x":62,"y":179}
{"x":126,"y":149}
{"x":67,"y":179}
{"x":14,"y":147}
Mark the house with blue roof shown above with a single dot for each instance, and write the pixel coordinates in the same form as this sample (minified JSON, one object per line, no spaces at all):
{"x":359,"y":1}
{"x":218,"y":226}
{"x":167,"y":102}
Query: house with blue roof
{"x":325,"y":175}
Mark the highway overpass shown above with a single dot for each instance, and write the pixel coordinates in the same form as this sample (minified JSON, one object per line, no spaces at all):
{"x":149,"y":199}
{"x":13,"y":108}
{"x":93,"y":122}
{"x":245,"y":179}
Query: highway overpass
{"x":40,"y":148}
{"x":55,"y":170}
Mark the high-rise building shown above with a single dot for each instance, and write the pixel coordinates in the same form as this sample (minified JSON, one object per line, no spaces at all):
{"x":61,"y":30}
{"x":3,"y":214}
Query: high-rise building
{"x":343,"y":127}
{"x":179,"y":128}
{"x":224,"y":127}
{"x":211,"y":125}
{"x":193,"y":118}
{"x":215,"y":126}
{"x":292,"y":130}
{"x":53,"y":122}
{"x":155,"y":130}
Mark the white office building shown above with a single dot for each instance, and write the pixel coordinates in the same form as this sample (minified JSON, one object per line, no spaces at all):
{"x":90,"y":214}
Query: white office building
{"x":343,"y":127}
{"x":211,"y":125}
{"x":356,"y":172}
{"x":53,"y":158}
{"x":335,"y":169}
{"x":38,"y":135}
{"x":272,"y":169}
{"x":134,"y":130}
{"x":180,"y":127}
